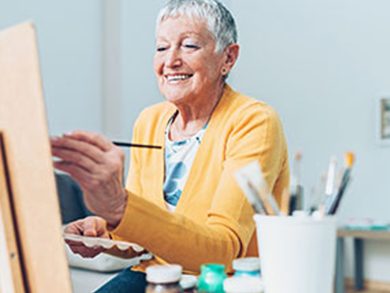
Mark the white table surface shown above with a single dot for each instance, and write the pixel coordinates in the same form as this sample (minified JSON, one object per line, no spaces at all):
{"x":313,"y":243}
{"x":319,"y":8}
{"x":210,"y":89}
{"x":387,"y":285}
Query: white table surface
{"x":85,"y":281}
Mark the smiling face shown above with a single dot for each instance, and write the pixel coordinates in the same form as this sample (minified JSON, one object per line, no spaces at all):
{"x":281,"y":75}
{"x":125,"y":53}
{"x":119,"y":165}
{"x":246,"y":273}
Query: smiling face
{"x":186,"y":64}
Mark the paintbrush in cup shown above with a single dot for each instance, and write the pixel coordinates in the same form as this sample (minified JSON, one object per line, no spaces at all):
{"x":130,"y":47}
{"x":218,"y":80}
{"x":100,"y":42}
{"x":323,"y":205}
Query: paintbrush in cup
{"x":346,"y":178}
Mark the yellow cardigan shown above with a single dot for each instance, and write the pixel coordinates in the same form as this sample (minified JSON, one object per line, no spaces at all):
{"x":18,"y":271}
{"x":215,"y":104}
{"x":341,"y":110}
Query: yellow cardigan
{"x":213,"y":220}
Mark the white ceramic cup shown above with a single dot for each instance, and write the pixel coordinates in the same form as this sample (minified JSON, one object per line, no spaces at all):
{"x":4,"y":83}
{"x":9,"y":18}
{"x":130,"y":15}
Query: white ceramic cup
{"x":297,"y":254}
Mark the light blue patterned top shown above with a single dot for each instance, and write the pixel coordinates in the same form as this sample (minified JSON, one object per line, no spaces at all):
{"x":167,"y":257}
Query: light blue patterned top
{"x":179,"y":156}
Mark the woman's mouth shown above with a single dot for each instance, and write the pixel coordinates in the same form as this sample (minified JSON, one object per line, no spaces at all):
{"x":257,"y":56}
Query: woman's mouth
{"x":178,"y":77}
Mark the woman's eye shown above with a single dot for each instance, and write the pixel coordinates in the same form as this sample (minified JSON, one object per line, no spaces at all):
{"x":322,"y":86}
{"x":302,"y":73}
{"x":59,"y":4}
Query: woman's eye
{"x":161,"y":49}
{"x":191,"y":46}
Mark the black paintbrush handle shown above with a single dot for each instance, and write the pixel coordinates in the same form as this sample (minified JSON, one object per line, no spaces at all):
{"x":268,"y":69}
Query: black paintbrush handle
{"x":136,"y":145}
{"x":336,"y":203}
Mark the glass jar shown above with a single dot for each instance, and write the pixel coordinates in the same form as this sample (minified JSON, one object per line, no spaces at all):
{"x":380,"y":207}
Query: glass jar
{"x":247,"y":266}
{"x":163,"y":279}
{"x":188,"y":283}
{"x":211,"y":278}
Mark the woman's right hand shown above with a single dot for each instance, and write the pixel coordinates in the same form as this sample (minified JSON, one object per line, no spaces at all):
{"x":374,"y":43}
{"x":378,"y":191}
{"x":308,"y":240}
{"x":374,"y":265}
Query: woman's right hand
{"x":92,"y":227}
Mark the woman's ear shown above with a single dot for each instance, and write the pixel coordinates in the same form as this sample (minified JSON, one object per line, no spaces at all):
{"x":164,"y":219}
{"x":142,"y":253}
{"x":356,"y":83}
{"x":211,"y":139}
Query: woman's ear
{"x":231,"y":54}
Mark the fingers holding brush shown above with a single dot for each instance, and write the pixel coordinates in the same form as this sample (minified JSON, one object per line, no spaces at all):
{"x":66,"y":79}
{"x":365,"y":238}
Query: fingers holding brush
{"x":97,"y":165}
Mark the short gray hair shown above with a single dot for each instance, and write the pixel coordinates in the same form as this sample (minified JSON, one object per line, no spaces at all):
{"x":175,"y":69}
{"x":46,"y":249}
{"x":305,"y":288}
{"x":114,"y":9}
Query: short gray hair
{"x":218,"y":18}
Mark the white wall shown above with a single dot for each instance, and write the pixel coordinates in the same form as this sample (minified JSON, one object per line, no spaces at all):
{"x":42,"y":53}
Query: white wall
{"x":139,"y":86}
{"x":322,"y":64}
{"x":69,"y":35}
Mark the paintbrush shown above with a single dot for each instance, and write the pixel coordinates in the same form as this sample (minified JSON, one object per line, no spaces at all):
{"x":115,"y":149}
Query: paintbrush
{"x":250,"y":192}
{"x":264,"y":194}
{"x":330,"y":184}
{"x":296,"y":189}
{"x":255,"y":200}
{"x":331,"y":177}
{"x":251,"y":177}
{"x":136,"y":145}
{"x":346,"y":178}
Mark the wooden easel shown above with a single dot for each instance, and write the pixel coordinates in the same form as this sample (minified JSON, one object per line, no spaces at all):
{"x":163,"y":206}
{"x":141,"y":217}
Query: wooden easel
{"x":32,"y":255}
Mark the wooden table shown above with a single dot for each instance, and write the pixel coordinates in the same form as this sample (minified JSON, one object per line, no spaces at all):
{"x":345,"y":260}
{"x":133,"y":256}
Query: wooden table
{"x":358,"y":237}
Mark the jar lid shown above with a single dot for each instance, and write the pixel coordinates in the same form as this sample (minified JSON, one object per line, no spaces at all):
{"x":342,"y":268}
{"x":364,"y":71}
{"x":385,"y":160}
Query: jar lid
{"x":243,"y":285}
{"x":214,"y":267}
{"x":188,"y":282}
{"x":246,"y":264}
{"x":163,"y":274}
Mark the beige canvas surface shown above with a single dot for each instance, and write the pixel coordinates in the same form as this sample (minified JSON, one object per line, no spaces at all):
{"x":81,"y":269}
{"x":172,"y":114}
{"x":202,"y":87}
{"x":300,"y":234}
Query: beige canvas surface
{"x":25,"y":137}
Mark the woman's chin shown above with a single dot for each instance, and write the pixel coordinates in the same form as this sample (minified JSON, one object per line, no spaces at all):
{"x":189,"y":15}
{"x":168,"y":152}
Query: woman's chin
{"x":177,"y":100}
{"x":176,"y":97}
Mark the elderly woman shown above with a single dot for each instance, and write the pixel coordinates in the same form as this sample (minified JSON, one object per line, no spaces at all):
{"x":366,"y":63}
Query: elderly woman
{"x":181,"y":203}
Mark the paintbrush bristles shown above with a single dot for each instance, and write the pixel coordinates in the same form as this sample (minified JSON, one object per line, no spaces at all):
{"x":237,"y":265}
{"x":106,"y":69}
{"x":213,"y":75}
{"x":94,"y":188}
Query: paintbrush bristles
{"x":349,"y":159}
{"x":298,"y":156}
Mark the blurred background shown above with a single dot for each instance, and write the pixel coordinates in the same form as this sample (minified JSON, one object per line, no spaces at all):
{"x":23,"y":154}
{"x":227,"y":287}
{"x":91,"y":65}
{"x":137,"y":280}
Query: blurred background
{"x":323,"y":65}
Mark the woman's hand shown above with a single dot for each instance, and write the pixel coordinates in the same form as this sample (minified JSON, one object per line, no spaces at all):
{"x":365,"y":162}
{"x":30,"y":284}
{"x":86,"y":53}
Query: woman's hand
{"x":97,"y":165}
{"x":92,"y":227}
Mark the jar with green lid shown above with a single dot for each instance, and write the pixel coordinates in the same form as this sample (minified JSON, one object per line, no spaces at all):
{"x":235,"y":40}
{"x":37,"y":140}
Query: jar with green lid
{"x":246,"y":266}
{"x":163,"y":279}
{"x":211,"y":278}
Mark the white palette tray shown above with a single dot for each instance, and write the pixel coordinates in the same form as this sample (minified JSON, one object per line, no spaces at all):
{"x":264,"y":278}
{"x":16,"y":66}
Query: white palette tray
{"x":103,"y":242}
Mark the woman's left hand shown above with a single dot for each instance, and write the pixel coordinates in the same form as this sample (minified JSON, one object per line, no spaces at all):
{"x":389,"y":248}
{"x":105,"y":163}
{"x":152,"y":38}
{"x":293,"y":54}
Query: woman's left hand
{"x":97,"y":165}
{"x":92,"y":227}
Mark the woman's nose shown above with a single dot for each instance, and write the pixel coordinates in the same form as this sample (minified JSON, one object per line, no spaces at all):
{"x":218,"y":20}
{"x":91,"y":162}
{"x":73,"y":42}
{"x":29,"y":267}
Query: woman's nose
{"x":174,"y":58}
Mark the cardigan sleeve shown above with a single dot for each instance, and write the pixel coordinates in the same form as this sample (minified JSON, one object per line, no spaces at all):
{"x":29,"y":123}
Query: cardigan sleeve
{"x":133,"y":184}
{"x":225,"y":235}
